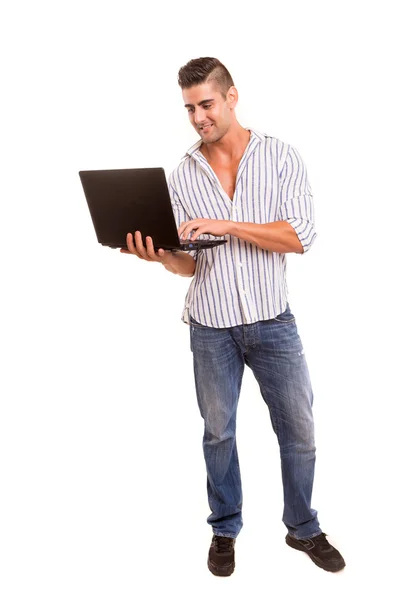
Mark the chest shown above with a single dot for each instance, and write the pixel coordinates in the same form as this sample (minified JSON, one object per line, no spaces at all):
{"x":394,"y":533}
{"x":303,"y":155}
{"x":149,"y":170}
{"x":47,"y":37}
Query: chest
{"x":226,"y":175}
{"x":255,"y":190}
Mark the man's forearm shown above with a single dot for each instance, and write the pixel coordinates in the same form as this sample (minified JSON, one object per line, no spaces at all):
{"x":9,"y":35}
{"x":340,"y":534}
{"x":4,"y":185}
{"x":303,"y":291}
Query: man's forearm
{"x":278,"y":236}
{"x":182,"y":264}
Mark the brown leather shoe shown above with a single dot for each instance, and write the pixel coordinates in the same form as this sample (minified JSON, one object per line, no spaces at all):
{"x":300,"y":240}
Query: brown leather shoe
{"x":221,"y":557}
{"x":320,"y":551}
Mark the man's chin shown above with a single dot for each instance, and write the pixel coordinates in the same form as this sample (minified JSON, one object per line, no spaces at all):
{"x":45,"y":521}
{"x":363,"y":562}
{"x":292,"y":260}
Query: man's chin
{"x":211,"y":139}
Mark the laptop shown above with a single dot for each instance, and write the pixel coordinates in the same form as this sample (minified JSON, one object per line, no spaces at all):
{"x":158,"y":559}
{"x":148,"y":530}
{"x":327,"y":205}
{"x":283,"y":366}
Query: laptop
{"x":123,"y":201}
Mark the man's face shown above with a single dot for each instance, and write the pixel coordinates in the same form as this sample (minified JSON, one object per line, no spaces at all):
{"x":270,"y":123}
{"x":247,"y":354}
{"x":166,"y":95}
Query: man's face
{"x":208,"y":112}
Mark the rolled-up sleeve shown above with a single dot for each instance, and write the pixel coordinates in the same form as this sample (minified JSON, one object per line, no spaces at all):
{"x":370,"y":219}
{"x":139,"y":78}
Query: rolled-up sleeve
{"x":296,"y":200}
{"x":179,"y":213}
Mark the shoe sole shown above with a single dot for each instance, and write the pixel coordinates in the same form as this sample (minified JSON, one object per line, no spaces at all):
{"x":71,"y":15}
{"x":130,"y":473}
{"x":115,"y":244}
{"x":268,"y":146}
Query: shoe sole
{"x":221,"y":571}
{"x":297,"y":546}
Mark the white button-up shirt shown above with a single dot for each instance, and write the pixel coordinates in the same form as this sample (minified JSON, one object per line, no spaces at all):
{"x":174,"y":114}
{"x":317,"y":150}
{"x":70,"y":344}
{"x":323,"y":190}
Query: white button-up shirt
{"x":238,"y":282}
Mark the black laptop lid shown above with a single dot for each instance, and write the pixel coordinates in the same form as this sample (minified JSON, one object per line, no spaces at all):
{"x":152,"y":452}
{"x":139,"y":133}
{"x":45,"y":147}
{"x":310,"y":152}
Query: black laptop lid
{"x":128,"y":200}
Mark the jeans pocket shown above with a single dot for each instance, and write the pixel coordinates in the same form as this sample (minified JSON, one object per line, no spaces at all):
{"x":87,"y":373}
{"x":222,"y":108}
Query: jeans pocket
{"x":286,"y":317}
{"x":194,"y":323}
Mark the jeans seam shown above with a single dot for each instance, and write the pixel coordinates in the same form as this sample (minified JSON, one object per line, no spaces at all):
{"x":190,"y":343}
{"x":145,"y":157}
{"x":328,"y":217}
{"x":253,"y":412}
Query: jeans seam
{"x":309,"y":537}
{"x":282,"y":321}
{"x":272,"y":411}
{"x":198,"y":325}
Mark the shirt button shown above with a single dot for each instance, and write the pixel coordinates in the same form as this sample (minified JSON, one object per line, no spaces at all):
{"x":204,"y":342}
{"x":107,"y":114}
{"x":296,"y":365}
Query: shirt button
{"x":240,"y":265}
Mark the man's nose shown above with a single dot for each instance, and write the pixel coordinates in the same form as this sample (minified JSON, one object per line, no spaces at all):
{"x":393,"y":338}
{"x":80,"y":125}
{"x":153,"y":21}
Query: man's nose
{"x":198,"y":115}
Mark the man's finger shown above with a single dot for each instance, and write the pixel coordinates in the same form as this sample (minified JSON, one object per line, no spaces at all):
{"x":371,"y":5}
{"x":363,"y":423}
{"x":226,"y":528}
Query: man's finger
{"x":198,"y":232}
{"x":150,"y":249}
{"x":139,"y":245}
{"x":186,"y":225}
{"x":130,"y":244}
{"x":182,"y":227}
{"x":187,"y":231}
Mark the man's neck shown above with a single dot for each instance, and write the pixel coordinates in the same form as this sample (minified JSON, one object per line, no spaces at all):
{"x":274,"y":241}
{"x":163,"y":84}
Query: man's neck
{"x":229,"y":148}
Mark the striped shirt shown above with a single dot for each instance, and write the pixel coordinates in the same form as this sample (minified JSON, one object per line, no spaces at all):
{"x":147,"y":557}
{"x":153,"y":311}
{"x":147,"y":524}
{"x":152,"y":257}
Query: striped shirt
{"x":238,"y":282}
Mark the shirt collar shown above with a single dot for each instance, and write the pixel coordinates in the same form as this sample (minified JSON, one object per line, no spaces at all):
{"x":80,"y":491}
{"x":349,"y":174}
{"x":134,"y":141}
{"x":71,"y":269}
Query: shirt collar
{"x":196,"y":147}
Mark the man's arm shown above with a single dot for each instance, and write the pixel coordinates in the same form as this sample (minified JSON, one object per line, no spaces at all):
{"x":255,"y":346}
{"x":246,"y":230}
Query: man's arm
{"x":297,"y":207}
{"x":294,"y":231}
{"x":278,"y":236}
{"x":181,"y":263}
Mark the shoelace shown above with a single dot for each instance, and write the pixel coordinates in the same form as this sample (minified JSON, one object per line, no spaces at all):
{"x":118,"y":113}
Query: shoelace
{"x":223,"y":544}
{"x":322,"y":541}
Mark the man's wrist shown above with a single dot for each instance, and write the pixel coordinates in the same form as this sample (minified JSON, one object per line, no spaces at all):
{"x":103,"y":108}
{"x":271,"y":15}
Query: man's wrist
{"x":180,"y":263}
{"x":169,"y":258}
{"x":233,"y":228}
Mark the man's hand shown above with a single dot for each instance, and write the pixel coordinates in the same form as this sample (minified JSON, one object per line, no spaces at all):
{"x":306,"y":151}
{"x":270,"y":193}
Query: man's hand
{"x":136,"y":247}
{"x":199,"y":226}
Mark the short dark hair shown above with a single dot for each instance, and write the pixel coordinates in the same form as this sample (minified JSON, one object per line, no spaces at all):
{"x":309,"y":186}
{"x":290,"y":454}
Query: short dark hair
{"x":200,"y":70}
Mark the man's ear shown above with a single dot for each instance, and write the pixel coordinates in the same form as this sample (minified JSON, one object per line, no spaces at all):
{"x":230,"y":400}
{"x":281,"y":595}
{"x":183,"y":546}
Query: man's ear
{"x":232,"y":97}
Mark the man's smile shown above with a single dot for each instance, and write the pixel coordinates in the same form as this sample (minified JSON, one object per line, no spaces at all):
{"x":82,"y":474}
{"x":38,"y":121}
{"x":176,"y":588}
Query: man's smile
{"x":206,"y":127}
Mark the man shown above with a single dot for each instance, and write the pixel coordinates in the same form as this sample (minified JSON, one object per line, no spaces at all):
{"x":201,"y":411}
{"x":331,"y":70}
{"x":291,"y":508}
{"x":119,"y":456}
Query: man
{"x":253,"y":190}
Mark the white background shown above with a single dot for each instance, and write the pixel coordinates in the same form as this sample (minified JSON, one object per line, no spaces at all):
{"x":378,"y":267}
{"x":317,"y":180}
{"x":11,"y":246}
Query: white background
{"x":102,"y":475}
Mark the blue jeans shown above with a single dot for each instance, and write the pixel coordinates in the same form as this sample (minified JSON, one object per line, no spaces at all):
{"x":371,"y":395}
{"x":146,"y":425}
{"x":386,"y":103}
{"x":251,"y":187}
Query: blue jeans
{"x":274,"y":352}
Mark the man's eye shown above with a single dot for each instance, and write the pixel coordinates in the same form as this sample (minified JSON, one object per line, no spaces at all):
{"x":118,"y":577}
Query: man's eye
{"x":206,"y":105}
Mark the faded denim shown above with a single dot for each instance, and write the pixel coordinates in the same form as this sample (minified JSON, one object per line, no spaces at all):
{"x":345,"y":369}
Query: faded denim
{"x":274,"y":352}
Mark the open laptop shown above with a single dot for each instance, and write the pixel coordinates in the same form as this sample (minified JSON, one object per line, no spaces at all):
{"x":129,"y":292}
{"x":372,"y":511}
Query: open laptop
{"x":123,"y":201}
